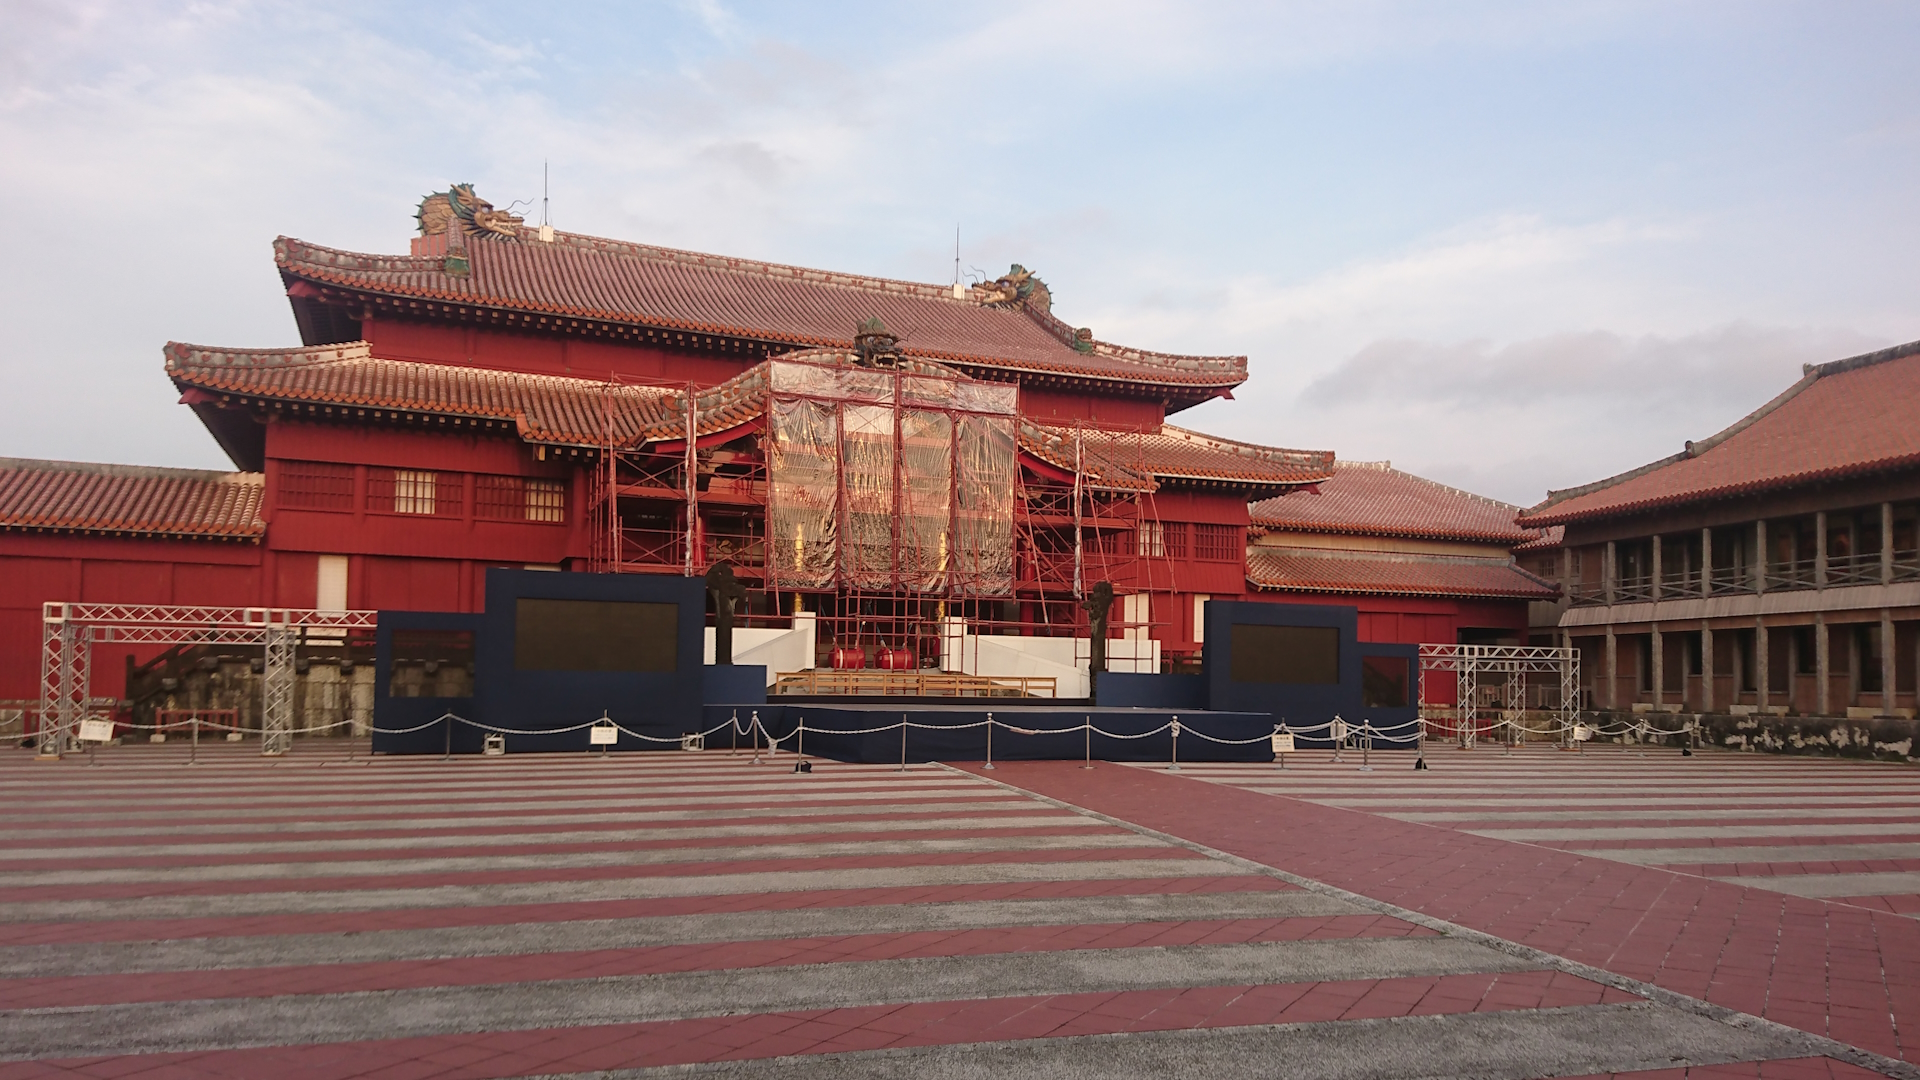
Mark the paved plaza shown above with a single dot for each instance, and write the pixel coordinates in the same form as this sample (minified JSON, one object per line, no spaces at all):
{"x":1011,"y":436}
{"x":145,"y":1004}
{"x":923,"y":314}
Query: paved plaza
{"x":1545,"y":914}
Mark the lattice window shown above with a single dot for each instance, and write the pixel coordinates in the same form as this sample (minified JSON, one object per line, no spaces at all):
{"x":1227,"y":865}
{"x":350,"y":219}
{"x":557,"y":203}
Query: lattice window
{"x":414,"y":491}
{"x":1175,"y":536}
{"x":1150,"y":539}
{"x":316,"y":485}
{"x":546,"y":501}
{"x":515,"y":498}
{"x":1219,"y":543}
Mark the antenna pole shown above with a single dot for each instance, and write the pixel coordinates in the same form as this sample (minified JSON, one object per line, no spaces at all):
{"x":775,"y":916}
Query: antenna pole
{"x":544,"y":219}
{"x":956,"y":254}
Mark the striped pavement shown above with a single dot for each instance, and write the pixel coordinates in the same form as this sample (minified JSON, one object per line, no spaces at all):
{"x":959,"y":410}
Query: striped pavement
{"x":1829,"y":828}
{"x":645,"y":914}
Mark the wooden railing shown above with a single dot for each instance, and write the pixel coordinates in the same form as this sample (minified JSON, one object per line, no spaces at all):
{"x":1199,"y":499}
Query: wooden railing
{"x":919,"y":683}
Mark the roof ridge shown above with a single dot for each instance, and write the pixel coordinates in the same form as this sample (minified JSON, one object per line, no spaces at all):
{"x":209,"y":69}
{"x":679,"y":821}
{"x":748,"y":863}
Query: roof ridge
{"x":1854,"y":363}
{"x":102,"y":468}
{"x":361,"y":352}
{"x":1448,"y":488}
{"x":1324,"y":458}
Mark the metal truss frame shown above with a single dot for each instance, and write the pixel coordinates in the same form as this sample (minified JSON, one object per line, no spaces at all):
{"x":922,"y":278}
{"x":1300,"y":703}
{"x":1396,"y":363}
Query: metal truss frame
{"x":1471,"y":665}
{"x":71,"y":630}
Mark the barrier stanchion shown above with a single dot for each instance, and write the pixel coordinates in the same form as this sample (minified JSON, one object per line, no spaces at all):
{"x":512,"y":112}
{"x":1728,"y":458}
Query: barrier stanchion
{"x":1174,"y":765}
{"x":1420,"y":744}
{"x":193,"y":750}
{"x":903,"y":742}
{"x":800,"y":747}
{"x":733,"y":728}
{"x":755,"y":733}
{"x":989,"y":763}
{"x":447,"y":755}
{"x":1366,"y":746}
{"x":1089,"y":730}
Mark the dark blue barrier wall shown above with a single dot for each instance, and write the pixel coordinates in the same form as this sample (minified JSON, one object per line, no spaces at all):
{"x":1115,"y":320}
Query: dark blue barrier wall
{"x":527,"y":704}
{"x":733,"y":684}
{"x":1399,"y":726}
{"x":1126,"y":689}
{"x":403,"y":714}
{"x":1302,"y":703}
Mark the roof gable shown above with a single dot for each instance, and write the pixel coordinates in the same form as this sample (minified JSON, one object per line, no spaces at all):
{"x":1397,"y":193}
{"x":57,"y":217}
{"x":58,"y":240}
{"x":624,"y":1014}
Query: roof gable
{"x":1372,"y":498}
{"x":585,"y":278}
{"x":1846,"y":418}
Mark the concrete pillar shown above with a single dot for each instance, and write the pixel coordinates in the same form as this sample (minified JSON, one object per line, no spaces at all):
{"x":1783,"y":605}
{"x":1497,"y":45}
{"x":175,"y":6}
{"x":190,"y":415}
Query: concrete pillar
{"x":1886,"y":545}
{"x":1820,"y":668}
{"x":1656,"y":574}
{"x":1762,"y":662}
{"x":1706,"y":668}
{"x":1889,"y":673}
{"x":1657,"y":678}
{"x":1608,"y":574}
{"x":1760,"y":556}
{"x":1611,"y":664}
{"x":1820,"y":564}
{"x":1706,"y":564}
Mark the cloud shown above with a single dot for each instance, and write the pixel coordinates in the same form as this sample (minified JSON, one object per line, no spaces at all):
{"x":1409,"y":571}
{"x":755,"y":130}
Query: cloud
{"x":1724,"y":366}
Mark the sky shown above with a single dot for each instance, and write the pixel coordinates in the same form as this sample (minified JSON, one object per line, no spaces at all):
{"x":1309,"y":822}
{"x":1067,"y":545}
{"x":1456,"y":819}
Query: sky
{"x":1508,"y":246}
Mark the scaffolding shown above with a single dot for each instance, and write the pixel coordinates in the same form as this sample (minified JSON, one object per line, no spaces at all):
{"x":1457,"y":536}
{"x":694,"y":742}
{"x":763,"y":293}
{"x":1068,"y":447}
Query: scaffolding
{"x":884,"y":499}
{"x":1498,"y":686}
{"x":71,"y":630}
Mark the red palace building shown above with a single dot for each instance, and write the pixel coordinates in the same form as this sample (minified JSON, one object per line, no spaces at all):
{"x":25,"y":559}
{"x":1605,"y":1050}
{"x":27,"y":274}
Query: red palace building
{"x":900,"y":466}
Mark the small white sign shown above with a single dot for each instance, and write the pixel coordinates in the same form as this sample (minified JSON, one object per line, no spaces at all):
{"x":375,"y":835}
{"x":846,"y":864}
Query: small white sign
{"x":603,"y":735}
{"x":1283,"y":743}
{"x":1582,"y":733}
{"x":96,"y":731}
{"x":693,"y":742}
{"x":1338,"y":732}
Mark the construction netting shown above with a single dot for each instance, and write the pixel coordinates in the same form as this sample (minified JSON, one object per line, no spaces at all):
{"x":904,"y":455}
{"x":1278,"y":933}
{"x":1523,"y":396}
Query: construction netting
{"x":889,"y":479}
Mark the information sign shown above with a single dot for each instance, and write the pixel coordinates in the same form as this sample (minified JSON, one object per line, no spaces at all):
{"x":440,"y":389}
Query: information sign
{"x":1283,"y":742}
{"x":603,"y":735}
{"x":96,"y":731}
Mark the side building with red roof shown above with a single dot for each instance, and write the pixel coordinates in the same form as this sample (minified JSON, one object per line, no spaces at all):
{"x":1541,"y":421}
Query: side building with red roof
{"x":1772,"y":568}
{"x":1421,"y":561}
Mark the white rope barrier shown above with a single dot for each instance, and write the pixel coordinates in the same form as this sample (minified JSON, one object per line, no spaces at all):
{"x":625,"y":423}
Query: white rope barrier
{"x":1339,"y":732}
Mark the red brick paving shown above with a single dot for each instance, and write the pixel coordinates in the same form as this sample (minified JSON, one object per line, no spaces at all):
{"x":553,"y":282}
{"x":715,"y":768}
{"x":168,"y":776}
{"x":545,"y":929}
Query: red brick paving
{"x":1837,"y":970}
{"x":626,"y":1046}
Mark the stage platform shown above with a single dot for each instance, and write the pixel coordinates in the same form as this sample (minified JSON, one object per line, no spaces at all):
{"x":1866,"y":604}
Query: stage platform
{"x":940,"y":732}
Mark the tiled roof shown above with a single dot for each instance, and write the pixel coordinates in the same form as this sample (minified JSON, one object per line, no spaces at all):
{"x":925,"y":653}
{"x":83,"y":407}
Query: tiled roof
{"x":544,"y":408}
{"x":1279,"y":569}
{"x":589,"y":278}
{"x":75,"y":496}
{"x":1138,"y":460}
{"x":1371,"y":498}
{"x":1551,"y":537}
{"x":1842,"y":419}
{"x":564,"y":411}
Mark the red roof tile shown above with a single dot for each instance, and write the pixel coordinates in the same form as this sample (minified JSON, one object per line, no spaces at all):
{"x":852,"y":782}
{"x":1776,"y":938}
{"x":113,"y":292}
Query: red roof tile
{"x":74,"y":496}
{"x":585,"y":277}
{"x":545,"y":408}
{"x":1137,"y":460}
{"x":1841,"y":419}
{"x":1551,"y":537}
{"x":576,"y":412}
{"x":1280,"y":569}
{"x":1371,"y":498}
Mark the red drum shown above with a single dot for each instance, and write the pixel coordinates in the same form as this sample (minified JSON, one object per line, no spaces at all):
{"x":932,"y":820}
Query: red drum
{"x":898,"y":659}
{"x":848,"y":658}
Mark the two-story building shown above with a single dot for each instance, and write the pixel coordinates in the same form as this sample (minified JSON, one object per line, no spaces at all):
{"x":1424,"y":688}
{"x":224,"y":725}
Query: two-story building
{"x":1774,"y":567}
